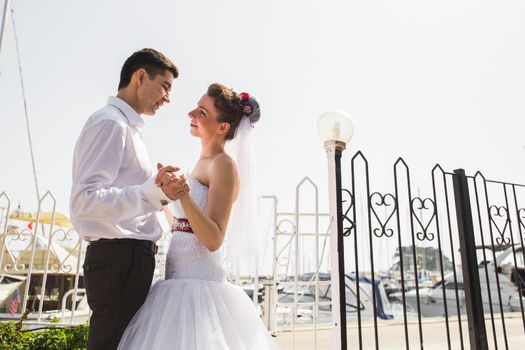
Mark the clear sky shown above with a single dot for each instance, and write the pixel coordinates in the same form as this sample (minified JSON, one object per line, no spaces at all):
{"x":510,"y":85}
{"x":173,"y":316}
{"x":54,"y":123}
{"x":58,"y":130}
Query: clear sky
{"x":432,"y":81}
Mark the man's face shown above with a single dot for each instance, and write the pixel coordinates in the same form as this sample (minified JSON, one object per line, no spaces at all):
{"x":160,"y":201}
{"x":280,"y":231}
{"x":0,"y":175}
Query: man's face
{"x":153,"y":93}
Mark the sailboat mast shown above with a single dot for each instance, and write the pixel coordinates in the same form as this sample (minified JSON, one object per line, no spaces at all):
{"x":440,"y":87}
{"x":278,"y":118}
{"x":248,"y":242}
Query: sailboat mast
{"x":7,"y":8}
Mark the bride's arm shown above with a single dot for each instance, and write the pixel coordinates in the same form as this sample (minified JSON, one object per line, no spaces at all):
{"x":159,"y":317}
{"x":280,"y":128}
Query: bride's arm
{"x":210,"y":227}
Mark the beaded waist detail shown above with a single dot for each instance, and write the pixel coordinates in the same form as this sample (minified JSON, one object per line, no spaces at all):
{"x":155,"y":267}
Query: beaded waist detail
{"x":181,"y":224}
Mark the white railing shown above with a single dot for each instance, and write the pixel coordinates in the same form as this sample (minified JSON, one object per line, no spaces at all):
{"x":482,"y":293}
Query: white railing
{"x":294,"y":301}
{"x":41,"y":257}
{"x":43,"y":264}
{"x":40,"y":265}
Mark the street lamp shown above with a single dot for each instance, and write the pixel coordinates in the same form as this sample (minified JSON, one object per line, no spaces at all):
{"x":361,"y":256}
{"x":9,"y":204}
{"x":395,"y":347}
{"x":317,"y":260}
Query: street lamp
{"x":335,"y":129}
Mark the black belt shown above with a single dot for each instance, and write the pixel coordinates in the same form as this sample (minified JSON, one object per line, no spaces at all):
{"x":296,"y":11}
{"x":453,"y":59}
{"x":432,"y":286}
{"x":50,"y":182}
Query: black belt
{"x":145,"y":243}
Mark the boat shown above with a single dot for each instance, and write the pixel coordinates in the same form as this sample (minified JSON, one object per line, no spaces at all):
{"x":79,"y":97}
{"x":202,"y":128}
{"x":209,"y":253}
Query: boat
{"x":306,"y":298}
{"x":511,"y":281}
{"x":53,"y":277}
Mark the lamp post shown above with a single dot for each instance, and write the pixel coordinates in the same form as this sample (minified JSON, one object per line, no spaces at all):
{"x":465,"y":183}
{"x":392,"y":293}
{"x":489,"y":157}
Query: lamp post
{"x":335,"y":129}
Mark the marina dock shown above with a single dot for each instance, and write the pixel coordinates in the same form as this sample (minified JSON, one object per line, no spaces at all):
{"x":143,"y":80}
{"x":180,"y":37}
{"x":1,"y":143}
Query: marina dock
{"x":391,"y":335}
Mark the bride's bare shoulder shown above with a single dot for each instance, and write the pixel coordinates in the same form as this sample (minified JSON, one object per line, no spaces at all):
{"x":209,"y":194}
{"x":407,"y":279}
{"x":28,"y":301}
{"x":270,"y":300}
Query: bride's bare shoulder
{"x":223,"y":166}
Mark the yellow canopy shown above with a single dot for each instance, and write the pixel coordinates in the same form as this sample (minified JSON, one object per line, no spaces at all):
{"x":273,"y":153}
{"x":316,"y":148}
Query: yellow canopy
{"x":45,"y":218}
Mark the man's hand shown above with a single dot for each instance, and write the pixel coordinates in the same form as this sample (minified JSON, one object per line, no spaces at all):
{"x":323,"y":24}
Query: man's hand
{"x":173,"y":184}
{"x":165,"y":172}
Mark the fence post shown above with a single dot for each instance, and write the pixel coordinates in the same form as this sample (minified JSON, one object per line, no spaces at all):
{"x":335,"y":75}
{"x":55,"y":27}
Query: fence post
{"x":469,"y":264}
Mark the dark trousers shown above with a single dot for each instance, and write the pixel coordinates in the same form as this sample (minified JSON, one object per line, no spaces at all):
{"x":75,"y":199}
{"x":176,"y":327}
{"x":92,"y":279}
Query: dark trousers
{"x":117,"y":276}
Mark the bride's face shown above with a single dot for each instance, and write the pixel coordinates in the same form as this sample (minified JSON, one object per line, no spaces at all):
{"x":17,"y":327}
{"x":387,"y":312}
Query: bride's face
{"x":203,"y":120}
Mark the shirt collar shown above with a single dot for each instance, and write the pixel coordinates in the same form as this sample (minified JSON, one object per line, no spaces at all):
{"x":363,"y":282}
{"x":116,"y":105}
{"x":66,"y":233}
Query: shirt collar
{"x":131,"y":115}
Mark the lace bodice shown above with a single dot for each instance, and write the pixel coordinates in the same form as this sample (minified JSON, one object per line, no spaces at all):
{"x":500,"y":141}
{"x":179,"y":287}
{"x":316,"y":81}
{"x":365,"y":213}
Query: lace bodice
{"x":187,"y":257}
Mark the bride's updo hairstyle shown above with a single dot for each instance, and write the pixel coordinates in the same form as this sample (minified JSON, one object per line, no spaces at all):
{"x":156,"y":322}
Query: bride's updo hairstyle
{"x":232,"y":107}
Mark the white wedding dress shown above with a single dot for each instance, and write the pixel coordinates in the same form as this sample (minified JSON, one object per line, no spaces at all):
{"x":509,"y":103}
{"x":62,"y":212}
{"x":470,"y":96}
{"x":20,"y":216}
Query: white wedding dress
{"x":195,"y":308}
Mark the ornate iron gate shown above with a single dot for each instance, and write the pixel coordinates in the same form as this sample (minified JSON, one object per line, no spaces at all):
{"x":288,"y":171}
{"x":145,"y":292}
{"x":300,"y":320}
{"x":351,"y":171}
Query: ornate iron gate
{"x":443,"y":275}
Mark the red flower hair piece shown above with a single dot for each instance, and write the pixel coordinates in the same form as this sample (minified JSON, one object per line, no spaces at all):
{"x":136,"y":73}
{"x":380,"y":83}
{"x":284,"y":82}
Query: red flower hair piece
{"x":245,"y":96}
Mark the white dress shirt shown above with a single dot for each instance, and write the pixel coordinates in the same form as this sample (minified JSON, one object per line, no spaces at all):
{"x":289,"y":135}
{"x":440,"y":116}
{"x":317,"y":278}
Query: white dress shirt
{"x":113,"y":193}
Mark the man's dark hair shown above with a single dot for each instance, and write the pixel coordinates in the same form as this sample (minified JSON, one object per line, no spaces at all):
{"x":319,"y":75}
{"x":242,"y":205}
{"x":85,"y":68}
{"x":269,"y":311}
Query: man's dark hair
{"x":151,"y":60}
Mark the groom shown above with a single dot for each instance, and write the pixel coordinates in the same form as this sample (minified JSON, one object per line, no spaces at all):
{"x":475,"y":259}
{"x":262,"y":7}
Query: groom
{"x":114,"y":199}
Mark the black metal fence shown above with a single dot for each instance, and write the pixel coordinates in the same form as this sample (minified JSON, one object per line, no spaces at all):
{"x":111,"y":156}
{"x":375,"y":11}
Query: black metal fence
{"x":457,"y":272}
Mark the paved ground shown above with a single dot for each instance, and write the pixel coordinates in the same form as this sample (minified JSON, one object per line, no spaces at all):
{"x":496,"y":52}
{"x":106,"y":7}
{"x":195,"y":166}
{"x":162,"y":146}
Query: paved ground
{"x":391,"y":335}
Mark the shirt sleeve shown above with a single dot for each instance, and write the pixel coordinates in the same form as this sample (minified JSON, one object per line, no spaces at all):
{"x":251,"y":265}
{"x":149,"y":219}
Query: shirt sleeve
{"x":98,"y":157}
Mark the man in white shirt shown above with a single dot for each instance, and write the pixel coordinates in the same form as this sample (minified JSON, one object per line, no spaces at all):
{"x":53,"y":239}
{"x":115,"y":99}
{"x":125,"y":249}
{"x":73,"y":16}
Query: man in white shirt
{"x":114,"y":198}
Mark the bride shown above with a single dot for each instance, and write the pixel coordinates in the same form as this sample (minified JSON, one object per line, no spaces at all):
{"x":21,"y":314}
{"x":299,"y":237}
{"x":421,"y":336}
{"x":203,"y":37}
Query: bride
{"x":195,"y":308}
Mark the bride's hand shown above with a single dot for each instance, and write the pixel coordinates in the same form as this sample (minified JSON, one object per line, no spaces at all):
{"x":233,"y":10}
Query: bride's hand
{"x":176,"y":189}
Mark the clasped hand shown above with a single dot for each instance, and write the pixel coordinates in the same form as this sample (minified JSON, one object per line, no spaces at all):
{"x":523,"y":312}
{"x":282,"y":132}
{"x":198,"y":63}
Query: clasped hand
{"x":172,"y":182}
